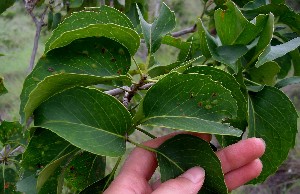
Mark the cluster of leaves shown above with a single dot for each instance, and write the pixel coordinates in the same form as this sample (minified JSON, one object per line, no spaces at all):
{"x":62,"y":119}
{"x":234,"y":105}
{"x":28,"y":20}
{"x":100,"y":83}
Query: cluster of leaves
{"x":225,"y":80}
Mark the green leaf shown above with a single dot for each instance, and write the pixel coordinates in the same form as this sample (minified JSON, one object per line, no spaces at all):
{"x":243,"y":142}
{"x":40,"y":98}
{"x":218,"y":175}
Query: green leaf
{"x":265,"y":36}
{"x":184,"y":47}
{"x":107,"y":22}
{"x":4,"y":4}
{"x":189,"y":102}
{"x":272,"y":117}
{"x":284,"y":14}
{"x":178,"y":66}
{"x":180,"y":153}
{"x":91,"y":56}
{"x":54,"y":84}
{"x":295,"y":59}
{"x":3,"y":90}
{"x":56,"y":20}
{"x":162,"y":25}
{"x":43,"y":148}
{"x":50,"y":174}
{"x":75,"y":3}
{"x":11,"y":133}
{"x":228,"y":54}
{"x":265,"y":74}
{"x":97,"y":186}
{"x":274,"y":52}
{"x":85,"y":169}
{"x":233,"y":28}
{"x":97,"y":124}
{"x":50,"y":20}
{"x":11,"y":176}
{"x":288,"y":81}
{"x":230,"y":83}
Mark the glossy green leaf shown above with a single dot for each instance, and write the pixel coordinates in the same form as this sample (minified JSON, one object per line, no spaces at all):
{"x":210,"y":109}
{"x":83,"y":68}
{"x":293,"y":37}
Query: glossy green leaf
{"x":43,"y":148}
{"x":228,"y":54}
{"x":162,"y":25}
{"x":107,"y":22}
{"x":85,"y":169}
{"x":54,"y":84}
{"x":184,"y":47}
{"x":265,"y":36}
{"x":230,"y":83}
{"x":265,"y":74}
{"x":178,"y":66}
{"x":90,"y":56}
{"x":288,"y":81}
{"x":272,"y":117}
{"x":189,"y":102}
{"x":234,"y":28}
{"x":273,"y":52}
{"x":11,"y":133}
{"x":3,"y":90}
{"x":284,"y":14}
{"x":4,"y":4}
{"x":97,"y":124}
{"x":183,"y":152}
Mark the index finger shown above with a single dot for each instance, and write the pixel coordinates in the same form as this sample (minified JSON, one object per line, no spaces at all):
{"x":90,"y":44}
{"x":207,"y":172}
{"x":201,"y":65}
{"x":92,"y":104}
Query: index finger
{"x":143,"y":163}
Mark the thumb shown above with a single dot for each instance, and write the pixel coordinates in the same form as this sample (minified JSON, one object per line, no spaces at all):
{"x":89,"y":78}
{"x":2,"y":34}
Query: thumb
{"x":189,"y":182}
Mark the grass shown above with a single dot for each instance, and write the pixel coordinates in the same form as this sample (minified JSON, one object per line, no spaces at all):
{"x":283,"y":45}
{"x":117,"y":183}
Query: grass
{"x":16,"y":41}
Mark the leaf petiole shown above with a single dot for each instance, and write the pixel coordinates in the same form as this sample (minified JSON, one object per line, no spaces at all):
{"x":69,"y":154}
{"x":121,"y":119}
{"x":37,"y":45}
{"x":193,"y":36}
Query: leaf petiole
{"x":146,"y":132}
{"x":142,"y":146}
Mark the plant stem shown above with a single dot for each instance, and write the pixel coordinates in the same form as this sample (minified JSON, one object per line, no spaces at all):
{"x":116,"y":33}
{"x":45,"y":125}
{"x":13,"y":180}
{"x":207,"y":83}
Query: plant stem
{"x":251,"y":82}
{"x":133,"y":89}
{"x":111,"y":3}
{"x":139,"y":70}
{"x":3,"y":175}
{"x":142,"y":146}
{"x":185,"y":31}
{"x":146,"y":132}
{"x":39,"y":23}
{"x":113,"y":172}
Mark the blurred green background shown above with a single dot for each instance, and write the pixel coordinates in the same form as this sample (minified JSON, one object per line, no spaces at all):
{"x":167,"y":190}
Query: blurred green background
{"x":16,"y":41}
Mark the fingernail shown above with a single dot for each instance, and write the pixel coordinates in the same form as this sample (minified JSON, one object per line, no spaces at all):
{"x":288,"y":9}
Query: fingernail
{"x":261,"y":139}
{"x":195,"y":174}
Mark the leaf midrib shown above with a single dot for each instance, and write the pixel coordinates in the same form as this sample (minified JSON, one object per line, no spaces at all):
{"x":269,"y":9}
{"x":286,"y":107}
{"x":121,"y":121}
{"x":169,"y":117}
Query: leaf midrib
{"x":84,"y":125}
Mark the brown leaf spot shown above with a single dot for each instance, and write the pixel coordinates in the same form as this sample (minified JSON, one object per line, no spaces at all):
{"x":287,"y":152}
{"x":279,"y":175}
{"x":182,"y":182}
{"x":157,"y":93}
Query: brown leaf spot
{"x":50,"y":69}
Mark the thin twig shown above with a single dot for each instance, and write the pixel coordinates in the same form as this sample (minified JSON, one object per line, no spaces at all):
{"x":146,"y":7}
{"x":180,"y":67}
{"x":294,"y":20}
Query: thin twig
{"x":111,"y":3}
{"x":138,"y":67}
{"x":102,"y":2}
{"x":39,"y":23}
{"x":146,"y":86}
{"x":133,"y":89}
{"x":185,"y":31}
{"x":118,"y":91}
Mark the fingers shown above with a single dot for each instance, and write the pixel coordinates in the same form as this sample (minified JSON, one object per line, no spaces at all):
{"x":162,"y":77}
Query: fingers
{"x":238,"y":177}
{"x":143,"y":163}
{"x":139,"y":167}
{"x":189,"y":182}
{"x":241,"y":153}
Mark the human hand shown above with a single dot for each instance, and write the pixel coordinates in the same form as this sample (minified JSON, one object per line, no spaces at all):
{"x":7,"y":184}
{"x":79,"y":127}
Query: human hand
{"x":239,"y":162}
